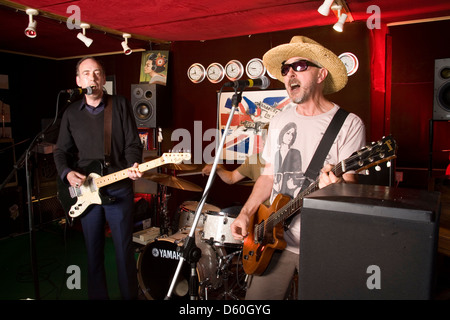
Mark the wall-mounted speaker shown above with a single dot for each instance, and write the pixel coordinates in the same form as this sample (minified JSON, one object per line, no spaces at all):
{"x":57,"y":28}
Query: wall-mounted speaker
{"x":151,"y":105}
{"x":363,"y":242}
{"x":441,"y":104}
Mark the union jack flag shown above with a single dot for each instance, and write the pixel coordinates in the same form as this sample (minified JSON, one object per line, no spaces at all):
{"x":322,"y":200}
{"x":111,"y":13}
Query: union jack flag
{"x":249,"y":121}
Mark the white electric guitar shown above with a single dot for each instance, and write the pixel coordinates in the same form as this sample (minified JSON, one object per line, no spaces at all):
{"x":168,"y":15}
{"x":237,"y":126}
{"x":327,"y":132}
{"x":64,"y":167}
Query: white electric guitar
{"x":75,"y":200}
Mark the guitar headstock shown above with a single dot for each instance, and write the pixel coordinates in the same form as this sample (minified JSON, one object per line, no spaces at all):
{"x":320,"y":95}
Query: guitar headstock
{"x":373,"y":154}
{"x":176,"y":157}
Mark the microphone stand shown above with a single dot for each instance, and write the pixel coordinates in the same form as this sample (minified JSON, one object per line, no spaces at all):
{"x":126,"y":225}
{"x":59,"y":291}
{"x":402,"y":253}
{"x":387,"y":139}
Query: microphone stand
{"x":24,"y":160}
{"x":190,"y":252}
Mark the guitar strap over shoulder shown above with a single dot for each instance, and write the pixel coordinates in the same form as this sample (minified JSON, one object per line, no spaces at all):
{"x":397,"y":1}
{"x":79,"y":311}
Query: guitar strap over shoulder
{"x":324,"y":147}
{"x":108,"y":129}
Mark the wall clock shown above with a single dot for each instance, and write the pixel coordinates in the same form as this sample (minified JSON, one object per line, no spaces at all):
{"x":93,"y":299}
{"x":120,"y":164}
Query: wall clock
{"x":255,"y":68}
{"x":234,"y":70}
{"x":196,"y":73}
{"x":350,"y":62}
{"x":215,"y":72}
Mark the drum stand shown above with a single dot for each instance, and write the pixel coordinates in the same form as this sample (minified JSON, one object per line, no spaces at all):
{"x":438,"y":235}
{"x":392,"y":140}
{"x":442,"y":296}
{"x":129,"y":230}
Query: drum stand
{"x":190,"y":252}
{"x":226,"y":275}
{"x":163,"y":198}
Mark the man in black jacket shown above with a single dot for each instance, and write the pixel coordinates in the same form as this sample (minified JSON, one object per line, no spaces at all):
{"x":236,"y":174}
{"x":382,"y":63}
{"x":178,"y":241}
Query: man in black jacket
{"x":81,"y":143}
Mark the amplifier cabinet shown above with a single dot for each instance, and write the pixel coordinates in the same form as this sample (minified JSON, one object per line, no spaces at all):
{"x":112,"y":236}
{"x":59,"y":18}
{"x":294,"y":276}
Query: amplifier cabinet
{"x":368,"y":242}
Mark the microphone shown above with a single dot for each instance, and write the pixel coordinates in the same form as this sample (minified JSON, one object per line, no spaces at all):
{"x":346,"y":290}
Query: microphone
{"x":262,"y":83}
{"x":78,"y":91}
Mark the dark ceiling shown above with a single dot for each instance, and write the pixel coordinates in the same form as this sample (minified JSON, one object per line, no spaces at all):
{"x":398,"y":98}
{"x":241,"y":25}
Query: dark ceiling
{"x":164,"y":21}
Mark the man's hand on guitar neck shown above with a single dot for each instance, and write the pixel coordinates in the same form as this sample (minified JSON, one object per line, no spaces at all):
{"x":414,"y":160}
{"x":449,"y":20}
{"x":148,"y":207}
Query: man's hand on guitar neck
{"x":327,"y":177}
{"x":133,"y":172}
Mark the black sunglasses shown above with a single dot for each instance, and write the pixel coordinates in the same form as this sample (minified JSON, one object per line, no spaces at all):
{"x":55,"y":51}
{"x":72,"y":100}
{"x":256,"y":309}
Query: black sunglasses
{"x":298,"y":66}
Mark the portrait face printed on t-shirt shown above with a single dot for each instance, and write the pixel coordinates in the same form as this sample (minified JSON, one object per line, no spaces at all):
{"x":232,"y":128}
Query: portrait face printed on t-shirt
{"x":288,"y":177}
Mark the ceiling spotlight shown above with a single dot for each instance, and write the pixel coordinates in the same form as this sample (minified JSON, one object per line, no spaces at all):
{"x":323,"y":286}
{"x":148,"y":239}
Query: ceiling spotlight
{"x":339,"y":26}
{"x":30,"y":31}
{"x":82,"y":35}
{"x":324,"y":9}
{"x":126,"y":48}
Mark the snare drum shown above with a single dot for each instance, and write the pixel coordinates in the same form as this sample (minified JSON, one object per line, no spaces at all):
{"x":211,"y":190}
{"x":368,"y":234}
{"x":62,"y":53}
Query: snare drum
{"x":159,"y":260}
{"x":217,"y":227}
{"x":187,"y":214}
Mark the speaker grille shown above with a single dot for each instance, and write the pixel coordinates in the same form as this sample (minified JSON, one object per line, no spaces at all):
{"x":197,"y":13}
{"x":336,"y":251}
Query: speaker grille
{"x":441,"y":106}
{"x":150,"y":105}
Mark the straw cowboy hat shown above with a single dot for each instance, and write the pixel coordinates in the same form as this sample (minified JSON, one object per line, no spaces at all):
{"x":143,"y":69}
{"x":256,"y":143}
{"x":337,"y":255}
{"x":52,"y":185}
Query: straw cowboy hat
{"x":304,"y":47}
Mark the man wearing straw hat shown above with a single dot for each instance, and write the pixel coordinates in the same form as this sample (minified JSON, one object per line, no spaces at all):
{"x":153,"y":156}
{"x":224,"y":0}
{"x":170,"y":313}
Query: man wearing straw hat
{"x":309,"y":71}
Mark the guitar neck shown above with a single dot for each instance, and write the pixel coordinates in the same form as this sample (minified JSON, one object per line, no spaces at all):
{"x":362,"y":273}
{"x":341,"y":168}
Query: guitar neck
{"x":296,"y":204}
{"x":123,"y":174}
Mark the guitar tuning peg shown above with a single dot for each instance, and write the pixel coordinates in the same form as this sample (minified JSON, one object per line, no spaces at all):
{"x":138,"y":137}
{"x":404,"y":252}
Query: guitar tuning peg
{"x":388,"y":164}
{"x":377,"y":168}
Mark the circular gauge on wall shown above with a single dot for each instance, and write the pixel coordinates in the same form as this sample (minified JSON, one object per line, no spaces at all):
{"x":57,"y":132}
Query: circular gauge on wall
{"x":215,"y":72}
{"x":350,"y":62}
{"x":255,"y":68}
{"x":196,"y":73}
{"x":234,"y":70}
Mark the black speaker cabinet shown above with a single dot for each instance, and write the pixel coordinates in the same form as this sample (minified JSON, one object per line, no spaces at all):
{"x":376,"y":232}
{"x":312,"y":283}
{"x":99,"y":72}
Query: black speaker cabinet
{"x":151,"y":105}
{"x":441,"y":104}
{"x":363,"y":242}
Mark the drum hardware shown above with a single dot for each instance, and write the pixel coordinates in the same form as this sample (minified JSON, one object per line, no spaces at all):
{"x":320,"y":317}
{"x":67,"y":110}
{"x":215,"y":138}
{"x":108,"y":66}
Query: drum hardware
{"x":190,"y":250}
{"x":164,"y":219}
{"x":225,"y":273}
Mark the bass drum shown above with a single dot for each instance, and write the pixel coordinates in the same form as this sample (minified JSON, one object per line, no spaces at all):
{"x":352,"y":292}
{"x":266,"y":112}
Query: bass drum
{"x":159,"y":260}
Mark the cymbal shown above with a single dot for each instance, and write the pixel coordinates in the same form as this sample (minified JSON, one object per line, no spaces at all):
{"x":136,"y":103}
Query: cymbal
{"x":171,"y":181}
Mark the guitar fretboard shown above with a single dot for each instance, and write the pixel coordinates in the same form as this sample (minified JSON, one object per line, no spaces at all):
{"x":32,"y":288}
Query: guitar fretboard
{"x":122,"y":174}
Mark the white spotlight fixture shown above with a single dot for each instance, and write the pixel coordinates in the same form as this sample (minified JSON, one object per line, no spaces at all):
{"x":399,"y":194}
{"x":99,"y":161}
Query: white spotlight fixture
{"x":82,"y":35}
{"x":324,"y":9}
{"x":126,"y":48}
{"x":30,"y":31}
{"x":339,"y":26}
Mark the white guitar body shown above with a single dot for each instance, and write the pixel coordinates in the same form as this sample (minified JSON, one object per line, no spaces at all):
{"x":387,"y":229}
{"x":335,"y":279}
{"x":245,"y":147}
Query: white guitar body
{"x":86,"y":194}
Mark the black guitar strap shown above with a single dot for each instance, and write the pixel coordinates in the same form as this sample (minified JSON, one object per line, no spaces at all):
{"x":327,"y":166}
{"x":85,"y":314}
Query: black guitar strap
{"x":108,"y":129}
{"x":324,"y":147}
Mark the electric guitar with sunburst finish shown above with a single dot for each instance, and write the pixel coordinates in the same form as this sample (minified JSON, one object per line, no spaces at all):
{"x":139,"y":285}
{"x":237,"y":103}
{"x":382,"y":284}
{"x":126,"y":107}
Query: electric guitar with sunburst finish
{"x":265,"y":234}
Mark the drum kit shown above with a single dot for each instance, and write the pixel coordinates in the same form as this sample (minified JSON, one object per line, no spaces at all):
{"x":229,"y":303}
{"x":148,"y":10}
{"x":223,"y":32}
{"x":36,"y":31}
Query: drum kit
{"x":219,"y":270}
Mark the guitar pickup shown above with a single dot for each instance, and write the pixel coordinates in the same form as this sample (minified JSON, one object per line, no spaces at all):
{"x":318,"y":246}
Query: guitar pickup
{"x":74,"y":192}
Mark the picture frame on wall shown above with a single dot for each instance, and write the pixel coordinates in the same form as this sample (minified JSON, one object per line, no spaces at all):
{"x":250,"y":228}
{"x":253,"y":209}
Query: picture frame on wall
{"x":254,"y":112}
{"x":154,"y":65}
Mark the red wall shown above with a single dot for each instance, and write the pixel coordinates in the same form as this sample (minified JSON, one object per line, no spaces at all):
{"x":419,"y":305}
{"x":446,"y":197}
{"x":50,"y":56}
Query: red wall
{"x":414,"y":49}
